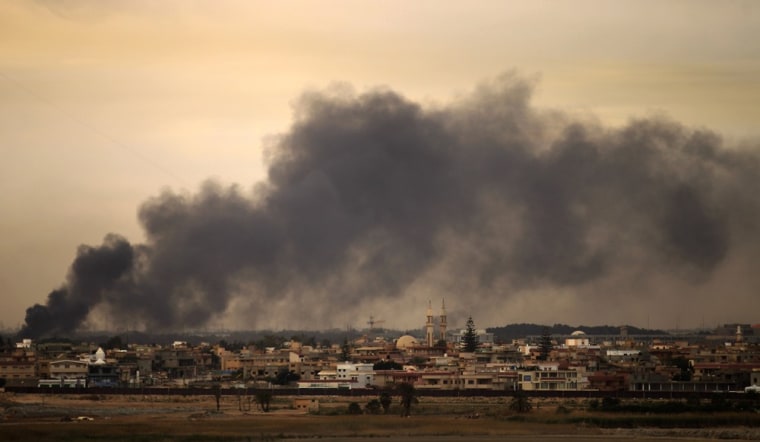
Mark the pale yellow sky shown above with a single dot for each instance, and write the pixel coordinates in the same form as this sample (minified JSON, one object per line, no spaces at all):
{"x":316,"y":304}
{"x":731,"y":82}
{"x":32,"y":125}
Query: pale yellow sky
{"x":104,"y":103}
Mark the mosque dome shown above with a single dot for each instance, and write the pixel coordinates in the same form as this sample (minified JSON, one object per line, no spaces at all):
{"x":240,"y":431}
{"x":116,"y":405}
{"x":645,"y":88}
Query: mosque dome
{"x":578,"y":333}
{"x":405,"y":342}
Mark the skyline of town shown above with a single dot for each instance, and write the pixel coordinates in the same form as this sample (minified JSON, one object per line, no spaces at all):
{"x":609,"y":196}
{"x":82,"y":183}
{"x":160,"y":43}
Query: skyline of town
{"x":466,"y":360}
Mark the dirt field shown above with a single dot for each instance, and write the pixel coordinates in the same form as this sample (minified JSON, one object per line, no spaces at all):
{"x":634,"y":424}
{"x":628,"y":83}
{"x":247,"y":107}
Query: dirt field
{"x":195,"y":418}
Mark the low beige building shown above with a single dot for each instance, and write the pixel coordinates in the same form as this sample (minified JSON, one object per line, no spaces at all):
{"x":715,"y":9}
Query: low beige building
{"x":306,"y":404}
{"x":19,"y":373}
{"x":63,"y":369}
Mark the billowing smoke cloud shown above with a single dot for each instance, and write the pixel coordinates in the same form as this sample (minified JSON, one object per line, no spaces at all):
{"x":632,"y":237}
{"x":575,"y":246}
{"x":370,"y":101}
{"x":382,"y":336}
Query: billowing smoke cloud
{"x":374,"y":198}
{"x":94,"y":271}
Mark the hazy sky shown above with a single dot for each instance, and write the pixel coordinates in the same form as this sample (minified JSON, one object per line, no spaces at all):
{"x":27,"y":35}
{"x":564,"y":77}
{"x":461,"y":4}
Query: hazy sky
{"x":104,"y":104}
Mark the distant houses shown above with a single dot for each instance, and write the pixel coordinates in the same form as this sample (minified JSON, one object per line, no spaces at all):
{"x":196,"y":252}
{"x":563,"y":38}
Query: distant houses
{"x":429,"y":362}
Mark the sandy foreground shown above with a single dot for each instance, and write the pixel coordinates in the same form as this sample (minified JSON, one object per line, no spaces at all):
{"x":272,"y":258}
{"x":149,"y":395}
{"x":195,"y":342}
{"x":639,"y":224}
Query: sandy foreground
{"x":195,"y":418}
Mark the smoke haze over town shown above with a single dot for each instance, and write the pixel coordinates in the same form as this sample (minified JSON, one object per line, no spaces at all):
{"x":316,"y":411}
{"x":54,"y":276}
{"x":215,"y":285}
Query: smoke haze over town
{"x":372,"y":200}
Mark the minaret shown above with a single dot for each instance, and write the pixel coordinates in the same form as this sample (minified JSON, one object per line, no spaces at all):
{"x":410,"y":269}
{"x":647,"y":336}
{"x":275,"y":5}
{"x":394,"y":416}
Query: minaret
{"x":429,"y":325}
{"x":442,"y":324}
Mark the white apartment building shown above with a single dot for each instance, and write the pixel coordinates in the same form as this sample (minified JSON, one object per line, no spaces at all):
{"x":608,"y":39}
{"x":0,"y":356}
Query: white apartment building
{"x":361,"y":374}
{"x":548,"y":377}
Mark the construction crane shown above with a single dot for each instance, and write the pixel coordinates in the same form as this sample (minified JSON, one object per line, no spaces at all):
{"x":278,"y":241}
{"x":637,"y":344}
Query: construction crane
{"x":372,"y":321}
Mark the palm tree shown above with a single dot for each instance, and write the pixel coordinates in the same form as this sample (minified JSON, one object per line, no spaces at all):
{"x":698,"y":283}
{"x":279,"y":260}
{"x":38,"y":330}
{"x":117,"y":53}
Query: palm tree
{"x":408,"y":397}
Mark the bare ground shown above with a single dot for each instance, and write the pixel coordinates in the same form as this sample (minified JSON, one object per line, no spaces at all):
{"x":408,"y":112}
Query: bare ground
{"x":195,"y":418}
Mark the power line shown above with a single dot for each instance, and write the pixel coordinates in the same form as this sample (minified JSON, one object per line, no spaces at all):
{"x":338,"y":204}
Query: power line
{"x":113,"y":141}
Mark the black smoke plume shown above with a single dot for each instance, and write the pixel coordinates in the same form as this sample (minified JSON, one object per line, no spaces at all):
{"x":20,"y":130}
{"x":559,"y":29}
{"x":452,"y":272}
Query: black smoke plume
{"x":373,"y":198}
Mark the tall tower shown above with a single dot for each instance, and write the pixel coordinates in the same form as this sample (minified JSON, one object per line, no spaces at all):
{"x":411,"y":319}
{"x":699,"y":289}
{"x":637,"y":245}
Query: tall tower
{"x":429,"y":325}
{"x":739,"y":337}
{"x":442,"y":324}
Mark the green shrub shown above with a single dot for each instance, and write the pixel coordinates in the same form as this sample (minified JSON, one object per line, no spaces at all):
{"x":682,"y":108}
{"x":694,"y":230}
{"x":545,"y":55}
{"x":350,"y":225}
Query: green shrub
{"x":610,"y":403}
{"x":520,"y":403}
{"x":354,"y":408}
{"x":373,"y":407}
